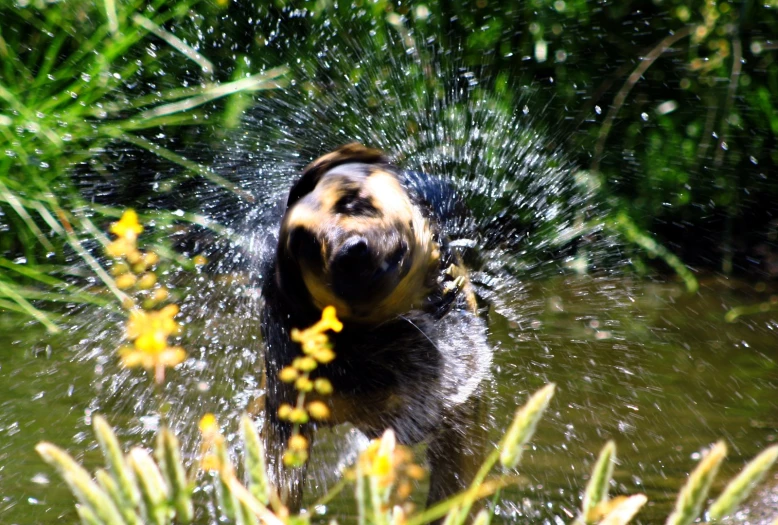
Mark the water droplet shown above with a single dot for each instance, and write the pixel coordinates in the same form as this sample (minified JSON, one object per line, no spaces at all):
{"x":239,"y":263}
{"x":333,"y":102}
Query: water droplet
{"x":40,"y":479}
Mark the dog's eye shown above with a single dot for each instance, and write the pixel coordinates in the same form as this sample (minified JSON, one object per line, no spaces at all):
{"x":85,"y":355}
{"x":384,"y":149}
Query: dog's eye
{"x":304,"y":245}
{"x":351,"y":203}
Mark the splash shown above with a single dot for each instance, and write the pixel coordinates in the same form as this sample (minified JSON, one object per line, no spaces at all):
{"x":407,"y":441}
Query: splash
{"x":534,"y":216}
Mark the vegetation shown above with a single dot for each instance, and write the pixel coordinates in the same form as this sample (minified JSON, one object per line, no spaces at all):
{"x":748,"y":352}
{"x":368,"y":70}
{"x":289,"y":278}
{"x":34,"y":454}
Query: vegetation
{"x":137,"y":489}
{"x":113,"y":103}
{"x":76,"y":78}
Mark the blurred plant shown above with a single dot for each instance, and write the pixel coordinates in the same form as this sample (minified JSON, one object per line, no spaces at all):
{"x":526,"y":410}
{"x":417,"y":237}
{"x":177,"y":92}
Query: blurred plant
{"x":383,"y":477}
{"x":147,"y":328}
{"x":733,"y":314}
{"x":317,"y":350}
{"x":138,"y":488}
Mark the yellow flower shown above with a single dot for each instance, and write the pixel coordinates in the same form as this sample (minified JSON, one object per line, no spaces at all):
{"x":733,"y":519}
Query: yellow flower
{"x":209,"y":429}
{"x":303,"y":384}
{"x":323,"y":386}
{"x":166,"y":357}
{"x":288,"y":374}
{"x":298,"y":442}
{"x":208,"y":425}
{"x":119,"y":269}
{"x":150,"y":259}
{"x":146,"y":281}
{"x":295,"y":458}
{"x":378,"y":460}
{"x":285,"y":411}
{"x":128,"y":226}
{"x":382,"y":462}
{"x":299,"y":416}
{"x":304,"y":364}
{"x":318,"y":410}
{"x":151,"y":342}
{"x":125,"y":281}
{"x":157,"y":324}
{"x":120,"y":247}
{"x":329,"y":320}
{"x":150,"y":332}
{"x":312,"y":341}
{"x":324,"y":355}
{"x":314,"y":334}
{"x":210,"y":463}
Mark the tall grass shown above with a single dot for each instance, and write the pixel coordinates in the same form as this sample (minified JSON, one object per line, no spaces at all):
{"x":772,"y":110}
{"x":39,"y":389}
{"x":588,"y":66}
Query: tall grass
{"x":76,"y":78}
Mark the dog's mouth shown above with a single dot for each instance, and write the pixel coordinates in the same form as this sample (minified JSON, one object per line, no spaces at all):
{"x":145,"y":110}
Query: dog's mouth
{"x":361,"y":271}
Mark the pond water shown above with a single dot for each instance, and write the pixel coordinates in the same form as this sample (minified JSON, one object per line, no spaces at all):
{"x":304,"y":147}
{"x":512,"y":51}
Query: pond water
{"x":646,"y":364}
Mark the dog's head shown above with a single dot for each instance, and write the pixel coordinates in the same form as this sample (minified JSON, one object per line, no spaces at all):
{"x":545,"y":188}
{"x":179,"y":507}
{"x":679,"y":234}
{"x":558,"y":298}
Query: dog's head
{"x":353,"y":237}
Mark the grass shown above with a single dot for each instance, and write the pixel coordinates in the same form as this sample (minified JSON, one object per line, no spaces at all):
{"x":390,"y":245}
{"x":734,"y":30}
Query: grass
{"x":66,"y":94}
{"x":139,"y":488}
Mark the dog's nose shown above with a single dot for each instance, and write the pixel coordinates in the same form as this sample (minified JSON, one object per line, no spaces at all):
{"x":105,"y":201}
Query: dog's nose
{"x":354,"y":257}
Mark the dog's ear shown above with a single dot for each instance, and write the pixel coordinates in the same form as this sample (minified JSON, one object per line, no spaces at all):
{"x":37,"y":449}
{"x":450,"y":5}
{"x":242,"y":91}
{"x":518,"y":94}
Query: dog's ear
{"x":353,"y":152}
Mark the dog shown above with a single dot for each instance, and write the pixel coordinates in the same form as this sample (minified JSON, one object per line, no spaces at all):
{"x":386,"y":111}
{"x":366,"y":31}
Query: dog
{"x":360,"y":234}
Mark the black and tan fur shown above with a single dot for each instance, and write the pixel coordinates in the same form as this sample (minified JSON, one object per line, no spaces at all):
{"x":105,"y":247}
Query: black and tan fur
{"x":359,"y":234}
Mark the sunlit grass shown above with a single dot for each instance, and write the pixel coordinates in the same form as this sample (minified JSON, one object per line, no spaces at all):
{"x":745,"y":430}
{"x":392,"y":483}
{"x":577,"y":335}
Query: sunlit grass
{"x":68,"y":91}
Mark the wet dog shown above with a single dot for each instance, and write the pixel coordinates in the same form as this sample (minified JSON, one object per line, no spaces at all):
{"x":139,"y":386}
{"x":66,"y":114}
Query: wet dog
{"x":362,"y":235}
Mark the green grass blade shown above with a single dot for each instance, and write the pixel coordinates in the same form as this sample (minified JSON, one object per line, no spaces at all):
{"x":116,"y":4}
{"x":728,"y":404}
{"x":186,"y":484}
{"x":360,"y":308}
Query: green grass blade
{"x":224,"y":493}
{"x":523,"y":426}
{"x":110,"y":14}
{"x":81,"y":484}
{"x":88,"y":517}
{"x":169,"y":459}
{"x":484,"y":517}
{"x":693,"y":494}
{"x":267,"y":80}
{"x":9,"y":291}
{"x":740,"y":488}
{"x":109,"y":485}
{"x":115,"y":460}
{"x":256,"y":470}
{"x":13,"y":201}
{"x":597,"y":488}
{"x":31,"y":273}
{"x":625,"y":510}
{"x":178,"y":44}
{"x":154,"y":492}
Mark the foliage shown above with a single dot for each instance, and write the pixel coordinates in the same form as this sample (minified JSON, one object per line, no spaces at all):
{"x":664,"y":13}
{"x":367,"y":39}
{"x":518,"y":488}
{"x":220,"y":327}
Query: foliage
{"x":669,"y":101}
{"x":76,"y":77}
{"x":136,"y":488}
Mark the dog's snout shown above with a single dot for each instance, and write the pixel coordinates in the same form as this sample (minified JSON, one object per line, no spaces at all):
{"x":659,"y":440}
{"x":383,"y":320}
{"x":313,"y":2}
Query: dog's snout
{"x":354,"y":255}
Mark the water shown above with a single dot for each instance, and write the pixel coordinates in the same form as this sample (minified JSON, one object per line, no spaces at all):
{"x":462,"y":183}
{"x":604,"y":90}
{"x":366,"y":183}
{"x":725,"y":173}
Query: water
{"x":656,"y":370}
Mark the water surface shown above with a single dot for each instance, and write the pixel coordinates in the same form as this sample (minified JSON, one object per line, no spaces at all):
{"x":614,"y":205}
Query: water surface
{"x":655,"y":369}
